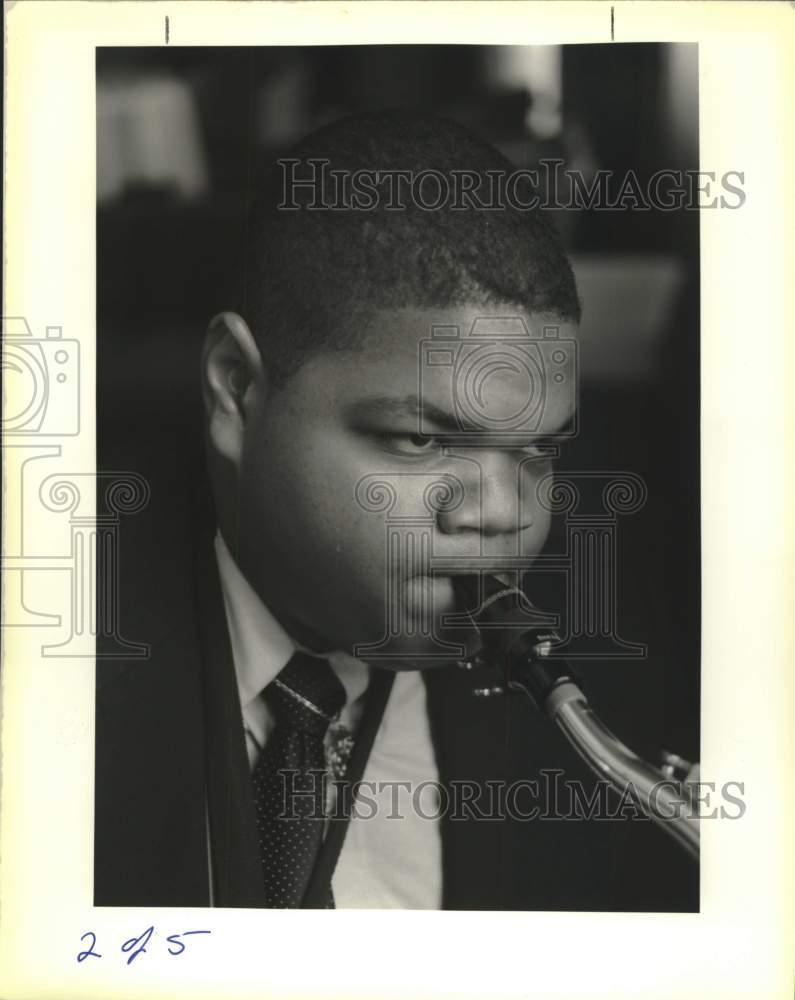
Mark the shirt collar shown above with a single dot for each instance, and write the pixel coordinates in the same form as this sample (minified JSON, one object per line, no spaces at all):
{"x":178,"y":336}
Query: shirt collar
{"x":260,"y":645}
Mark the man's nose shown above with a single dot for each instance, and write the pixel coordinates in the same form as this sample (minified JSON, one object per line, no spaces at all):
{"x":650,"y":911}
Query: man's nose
{"x":493,"y":504}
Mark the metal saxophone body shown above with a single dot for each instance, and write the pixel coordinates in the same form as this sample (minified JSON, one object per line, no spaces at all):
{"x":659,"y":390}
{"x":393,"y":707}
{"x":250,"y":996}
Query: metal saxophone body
{"x":521,"y":652}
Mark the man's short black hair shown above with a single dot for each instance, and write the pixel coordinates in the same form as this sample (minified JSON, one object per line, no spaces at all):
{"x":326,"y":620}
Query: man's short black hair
{"x":312,"y":274}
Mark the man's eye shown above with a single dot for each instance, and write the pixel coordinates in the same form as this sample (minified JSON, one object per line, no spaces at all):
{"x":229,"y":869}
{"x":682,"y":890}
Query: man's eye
{"x":412,"y":444}
{"x":542,"y":448}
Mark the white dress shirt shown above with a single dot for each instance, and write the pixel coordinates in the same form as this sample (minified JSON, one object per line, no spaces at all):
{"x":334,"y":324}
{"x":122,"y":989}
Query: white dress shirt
{"x":391,"y":856}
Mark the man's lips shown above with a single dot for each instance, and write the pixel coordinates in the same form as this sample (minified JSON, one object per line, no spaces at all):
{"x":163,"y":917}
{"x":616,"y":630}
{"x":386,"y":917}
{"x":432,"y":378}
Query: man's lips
{"x":436,"y":594}
{"x":505,"y":576}
{"x":437,"y":591}
{"x":481,"y":566}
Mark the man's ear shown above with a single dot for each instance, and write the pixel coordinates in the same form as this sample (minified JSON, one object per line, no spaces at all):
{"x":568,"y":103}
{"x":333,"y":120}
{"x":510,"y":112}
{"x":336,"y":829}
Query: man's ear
{"x":233,"y":382}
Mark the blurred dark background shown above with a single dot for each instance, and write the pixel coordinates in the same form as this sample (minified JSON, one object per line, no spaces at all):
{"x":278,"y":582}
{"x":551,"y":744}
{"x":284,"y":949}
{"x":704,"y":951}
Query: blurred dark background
{"x":181,"y":133}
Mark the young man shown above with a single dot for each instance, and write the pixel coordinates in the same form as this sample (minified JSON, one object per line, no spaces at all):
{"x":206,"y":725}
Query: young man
{"x":371,"y":434}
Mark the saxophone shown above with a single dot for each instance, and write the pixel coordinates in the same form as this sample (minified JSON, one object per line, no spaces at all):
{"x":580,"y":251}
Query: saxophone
{"x":521,"y":652}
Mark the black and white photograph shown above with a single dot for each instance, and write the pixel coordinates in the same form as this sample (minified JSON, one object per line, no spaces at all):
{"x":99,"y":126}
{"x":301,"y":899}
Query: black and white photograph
{"x":398,"y":348}
{"x":397,"y":553}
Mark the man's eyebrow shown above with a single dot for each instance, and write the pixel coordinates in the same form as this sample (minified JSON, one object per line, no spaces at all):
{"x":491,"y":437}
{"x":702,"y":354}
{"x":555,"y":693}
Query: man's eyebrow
{"x":403,"y":406}
{"x":413,"y":406}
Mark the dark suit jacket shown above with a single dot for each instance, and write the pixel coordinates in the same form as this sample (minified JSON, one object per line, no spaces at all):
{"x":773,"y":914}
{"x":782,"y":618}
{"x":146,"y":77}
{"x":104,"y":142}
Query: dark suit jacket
{"x":171,"y":761}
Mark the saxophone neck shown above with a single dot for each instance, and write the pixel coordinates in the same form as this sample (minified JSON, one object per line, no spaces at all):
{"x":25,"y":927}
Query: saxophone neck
{"x":521,"y":651}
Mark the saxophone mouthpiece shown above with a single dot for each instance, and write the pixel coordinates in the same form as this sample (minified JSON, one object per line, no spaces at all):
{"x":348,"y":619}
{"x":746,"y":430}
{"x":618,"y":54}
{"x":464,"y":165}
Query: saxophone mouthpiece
{"x":516,"y":637}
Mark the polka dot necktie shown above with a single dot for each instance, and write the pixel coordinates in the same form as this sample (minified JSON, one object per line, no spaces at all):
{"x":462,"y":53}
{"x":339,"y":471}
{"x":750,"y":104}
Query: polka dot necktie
{"x":290,"y":777}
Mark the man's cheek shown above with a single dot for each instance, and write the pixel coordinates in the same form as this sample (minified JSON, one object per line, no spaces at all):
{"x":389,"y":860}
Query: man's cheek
{"x":535,"y":536}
